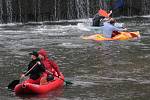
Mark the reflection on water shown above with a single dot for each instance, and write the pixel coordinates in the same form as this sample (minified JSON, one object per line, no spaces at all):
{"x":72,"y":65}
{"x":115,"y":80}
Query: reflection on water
{"x":117,"y":70}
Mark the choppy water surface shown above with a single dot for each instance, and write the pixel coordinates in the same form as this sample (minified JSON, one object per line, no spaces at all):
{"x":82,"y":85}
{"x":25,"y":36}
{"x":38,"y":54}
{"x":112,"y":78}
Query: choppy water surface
{"x":118,"y":70}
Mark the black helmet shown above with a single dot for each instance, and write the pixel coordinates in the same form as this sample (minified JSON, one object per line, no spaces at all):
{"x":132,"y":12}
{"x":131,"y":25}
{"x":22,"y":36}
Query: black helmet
{"x":35,"y":53}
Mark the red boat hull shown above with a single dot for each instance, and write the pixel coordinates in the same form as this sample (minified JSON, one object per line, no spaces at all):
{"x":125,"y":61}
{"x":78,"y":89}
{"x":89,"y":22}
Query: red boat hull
{"x":29,"y":88}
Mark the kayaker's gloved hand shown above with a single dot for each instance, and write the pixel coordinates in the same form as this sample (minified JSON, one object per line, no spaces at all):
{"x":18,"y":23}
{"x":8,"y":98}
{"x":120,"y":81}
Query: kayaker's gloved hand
{"x":59,"y":76}
{"x":39,"y":63}
{"x":125,"y":29}
{"x":22,"y":76}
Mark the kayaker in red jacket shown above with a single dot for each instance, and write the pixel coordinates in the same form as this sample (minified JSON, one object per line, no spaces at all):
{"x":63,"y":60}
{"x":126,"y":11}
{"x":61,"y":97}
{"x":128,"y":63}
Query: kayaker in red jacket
{"x":50,"y":65}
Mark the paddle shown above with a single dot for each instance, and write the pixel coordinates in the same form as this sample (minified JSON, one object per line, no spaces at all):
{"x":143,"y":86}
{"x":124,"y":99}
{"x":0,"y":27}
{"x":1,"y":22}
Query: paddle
{"x":103,"y":13}
{"x":12,"y":85}
{"x":67,"y":82}
{"x":117,"y":4}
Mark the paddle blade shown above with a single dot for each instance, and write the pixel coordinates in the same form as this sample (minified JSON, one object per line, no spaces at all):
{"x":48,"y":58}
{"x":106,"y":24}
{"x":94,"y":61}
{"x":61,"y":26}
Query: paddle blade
{"x":13,"y":84}
{"x":68,"y":82}
{"x":103,"y":13}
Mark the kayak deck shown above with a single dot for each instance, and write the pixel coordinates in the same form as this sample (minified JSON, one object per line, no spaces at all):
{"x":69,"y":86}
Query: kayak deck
{"x":121,"y":36}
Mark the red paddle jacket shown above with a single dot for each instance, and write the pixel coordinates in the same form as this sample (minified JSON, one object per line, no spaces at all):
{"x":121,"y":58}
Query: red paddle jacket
{"x":49,"y":64}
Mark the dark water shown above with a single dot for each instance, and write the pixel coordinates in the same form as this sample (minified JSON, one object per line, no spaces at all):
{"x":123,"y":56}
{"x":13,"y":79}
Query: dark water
{"x":118,"y":70}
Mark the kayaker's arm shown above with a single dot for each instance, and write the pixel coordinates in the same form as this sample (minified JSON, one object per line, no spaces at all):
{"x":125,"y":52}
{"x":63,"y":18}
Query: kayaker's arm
{"x":119,"y":29}
{"x":55,"y":66}
{"x":29,"y":70}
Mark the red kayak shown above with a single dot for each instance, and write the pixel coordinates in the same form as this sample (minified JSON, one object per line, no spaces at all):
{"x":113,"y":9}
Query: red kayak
{"x":29,"y":88}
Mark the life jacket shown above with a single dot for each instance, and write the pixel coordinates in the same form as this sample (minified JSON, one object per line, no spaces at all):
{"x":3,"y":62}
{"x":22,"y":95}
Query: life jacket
{"x":49,"y":64}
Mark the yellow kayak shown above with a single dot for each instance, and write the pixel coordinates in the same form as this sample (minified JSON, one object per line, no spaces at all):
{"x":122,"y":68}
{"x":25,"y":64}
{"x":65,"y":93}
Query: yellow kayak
{"x":121,"y":36}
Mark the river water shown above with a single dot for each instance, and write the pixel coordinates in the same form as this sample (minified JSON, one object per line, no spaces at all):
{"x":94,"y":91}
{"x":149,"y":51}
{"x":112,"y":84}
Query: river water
{"x":117,"y":70}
